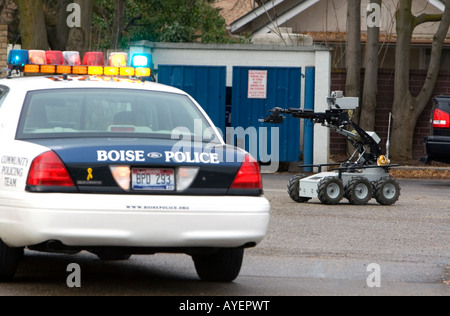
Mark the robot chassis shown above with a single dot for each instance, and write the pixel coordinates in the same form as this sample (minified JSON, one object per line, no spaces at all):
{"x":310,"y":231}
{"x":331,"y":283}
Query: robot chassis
{"x":365,"y":175}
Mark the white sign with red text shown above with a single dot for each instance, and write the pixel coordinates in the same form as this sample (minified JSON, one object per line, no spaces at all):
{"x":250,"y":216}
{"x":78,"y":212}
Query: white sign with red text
{"x":257,"y":84}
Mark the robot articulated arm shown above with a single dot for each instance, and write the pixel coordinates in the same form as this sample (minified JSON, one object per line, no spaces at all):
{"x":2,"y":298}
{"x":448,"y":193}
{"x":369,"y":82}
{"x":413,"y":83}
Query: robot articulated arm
{"x":337,"y":118}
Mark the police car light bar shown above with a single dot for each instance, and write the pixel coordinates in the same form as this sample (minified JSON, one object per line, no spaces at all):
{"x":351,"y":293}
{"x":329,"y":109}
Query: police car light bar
{"x":57,"y":62}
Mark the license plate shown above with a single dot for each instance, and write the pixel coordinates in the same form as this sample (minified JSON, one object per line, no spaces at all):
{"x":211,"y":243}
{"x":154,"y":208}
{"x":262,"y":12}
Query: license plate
{"x":153,"y":179}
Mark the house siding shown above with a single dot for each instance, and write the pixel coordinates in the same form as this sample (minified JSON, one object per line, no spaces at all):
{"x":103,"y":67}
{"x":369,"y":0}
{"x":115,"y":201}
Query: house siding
{"x":331,"y":16}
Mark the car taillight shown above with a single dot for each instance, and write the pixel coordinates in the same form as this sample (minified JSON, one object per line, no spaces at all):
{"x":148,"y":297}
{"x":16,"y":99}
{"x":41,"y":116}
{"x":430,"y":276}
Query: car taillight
{"x":48,"y":170}
{"x":248,"y":176}
{"x":441,"y":119}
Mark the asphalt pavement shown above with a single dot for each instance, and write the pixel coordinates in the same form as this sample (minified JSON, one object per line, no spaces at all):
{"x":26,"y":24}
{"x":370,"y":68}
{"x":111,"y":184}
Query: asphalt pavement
{"x":310,"y":250}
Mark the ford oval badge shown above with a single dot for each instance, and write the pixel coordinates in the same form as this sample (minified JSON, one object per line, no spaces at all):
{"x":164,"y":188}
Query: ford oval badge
{"x":154,"y":155}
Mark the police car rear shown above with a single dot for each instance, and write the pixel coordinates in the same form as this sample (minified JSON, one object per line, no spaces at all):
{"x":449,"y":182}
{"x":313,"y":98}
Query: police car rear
{"x":118,"y":166}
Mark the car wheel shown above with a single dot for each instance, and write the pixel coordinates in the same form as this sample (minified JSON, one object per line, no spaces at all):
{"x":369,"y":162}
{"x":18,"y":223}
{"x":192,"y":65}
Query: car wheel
{"x":359,"y":191}
{"x":387,"y":191}
{"x":294,"y":189}
{"x":222,"y":266}
{"x":9,"y":260}
{"x":331,"y":191}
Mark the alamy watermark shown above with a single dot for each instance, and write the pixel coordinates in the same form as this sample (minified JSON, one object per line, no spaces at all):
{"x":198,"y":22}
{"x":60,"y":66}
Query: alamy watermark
{"x":74,"y":18}
{"x":74,"y":278}
{"x":255,"y":140}
{"x":373,"y":15}
{"x":374,"y":278}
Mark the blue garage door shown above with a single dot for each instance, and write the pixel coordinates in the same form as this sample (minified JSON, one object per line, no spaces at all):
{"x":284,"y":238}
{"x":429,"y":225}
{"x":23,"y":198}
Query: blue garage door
{"x":206,"y":84}
{"x":256,"y":90}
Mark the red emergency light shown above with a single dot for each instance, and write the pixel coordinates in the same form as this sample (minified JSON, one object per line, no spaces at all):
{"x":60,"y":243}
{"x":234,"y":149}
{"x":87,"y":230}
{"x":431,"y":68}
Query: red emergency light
{"x":54,"y":57}
{"x":94,"y":59}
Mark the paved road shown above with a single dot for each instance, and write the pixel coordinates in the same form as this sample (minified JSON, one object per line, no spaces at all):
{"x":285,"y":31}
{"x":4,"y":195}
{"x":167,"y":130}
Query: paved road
{"x":311,"y":249}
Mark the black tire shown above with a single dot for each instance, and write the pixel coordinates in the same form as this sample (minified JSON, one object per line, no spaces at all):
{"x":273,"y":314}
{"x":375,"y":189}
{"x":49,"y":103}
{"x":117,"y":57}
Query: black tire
{"x":330,"y":191}
{"x":9,"y":261}
{"x":111,"y":255}
{"x":222,"y":266}
{"x":359,"y":191}
{"x":294,"y":189}
{"x":387,"y":191}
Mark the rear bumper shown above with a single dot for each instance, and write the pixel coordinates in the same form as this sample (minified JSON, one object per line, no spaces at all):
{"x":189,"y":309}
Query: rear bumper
{"x":91,"y":220}
{"x":437,"y":148}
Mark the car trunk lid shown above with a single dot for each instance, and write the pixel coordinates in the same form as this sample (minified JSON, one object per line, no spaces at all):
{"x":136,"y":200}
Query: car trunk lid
{"x":150,"y":166}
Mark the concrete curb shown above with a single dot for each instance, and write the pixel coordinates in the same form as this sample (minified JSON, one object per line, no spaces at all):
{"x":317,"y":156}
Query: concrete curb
{"x":422,"y":168}
{"x":400,"y":172}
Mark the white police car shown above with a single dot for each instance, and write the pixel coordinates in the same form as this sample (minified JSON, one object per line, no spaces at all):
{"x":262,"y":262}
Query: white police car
{"x":92,"y":160}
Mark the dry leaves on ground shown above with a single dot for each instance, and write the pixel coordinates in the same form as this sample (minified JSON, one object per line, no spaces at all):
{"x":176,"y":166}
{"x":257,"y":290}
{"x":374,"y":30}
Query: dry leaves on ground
{"x":438,"y":174}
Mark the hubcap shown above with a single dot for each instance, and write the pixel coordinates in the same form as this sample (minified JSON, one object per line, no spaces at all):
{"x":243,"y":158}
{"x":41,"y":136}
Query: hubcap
{"x":361,"y":191}
{"x":333,"y":190}
{"x":389,"y":191}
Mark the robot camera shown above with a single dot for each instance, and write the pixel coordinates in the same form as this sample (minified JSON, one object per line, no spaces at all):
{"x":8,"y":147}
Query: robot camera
{"x":337,"y":101}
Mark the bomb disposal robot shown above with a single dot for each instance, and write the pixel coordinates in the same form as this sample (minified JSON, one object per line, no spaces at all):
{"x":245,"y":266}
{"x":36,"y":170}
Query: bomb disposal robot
{"x":365,"y":175}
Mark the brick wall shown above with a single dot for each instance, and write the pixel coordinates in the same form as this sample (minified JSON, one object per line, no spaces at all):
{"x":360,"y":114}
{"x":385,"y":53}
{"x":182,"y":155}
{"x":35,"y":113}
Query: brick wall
{"x":385,"y":99}
{"x":3,"y":45}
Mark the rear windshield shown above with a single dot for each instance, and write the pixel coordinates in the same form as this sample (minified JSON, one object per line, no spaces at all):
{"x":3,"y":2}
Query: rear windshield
{"x":64,"y":113}
{"x":442,"y":103}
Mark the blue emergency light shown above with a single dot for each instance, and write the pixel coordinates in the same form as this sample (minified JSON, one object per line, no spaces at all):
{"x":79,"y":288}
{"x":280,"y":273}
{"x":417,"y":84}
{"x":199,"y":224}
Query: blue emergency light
{"x":142,"y":60}
{"x":18,"y":57}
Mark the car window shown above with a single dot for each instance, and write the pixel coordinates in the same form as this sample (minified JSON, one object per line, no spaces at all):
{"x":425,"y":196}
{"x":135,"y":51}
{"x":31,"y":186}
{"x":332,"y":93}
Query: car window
{"x":109,"y":113}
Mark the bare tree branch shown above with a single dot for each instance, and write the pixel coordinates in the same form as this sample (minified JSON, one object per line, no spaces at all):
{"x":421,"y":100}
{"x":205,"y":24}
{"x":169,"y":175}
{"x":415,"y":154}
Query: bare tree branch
{"x":105,"y":15}
{"x":132,"y":23}
{"x":425,"y":18}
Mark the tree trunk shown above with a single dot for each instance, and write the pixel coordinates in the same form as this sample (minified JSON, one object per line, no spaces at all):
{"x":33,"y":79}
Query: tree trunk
{"x":62,"y":29}
{"x":353,"y":51}
{"x":32,"y":24}
{"x":370,"y":90}
{"x":406,"y":108}
{"x":58,"y":32}
{"x":353,"y":56}
{"x":80,"y":37}
{"x":119,"y":13}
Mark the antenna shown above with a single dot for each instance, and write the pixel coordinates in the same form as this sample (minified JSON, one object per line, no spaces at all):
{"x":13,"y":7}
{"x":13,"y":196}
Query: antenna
{"x":388,"y":142}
